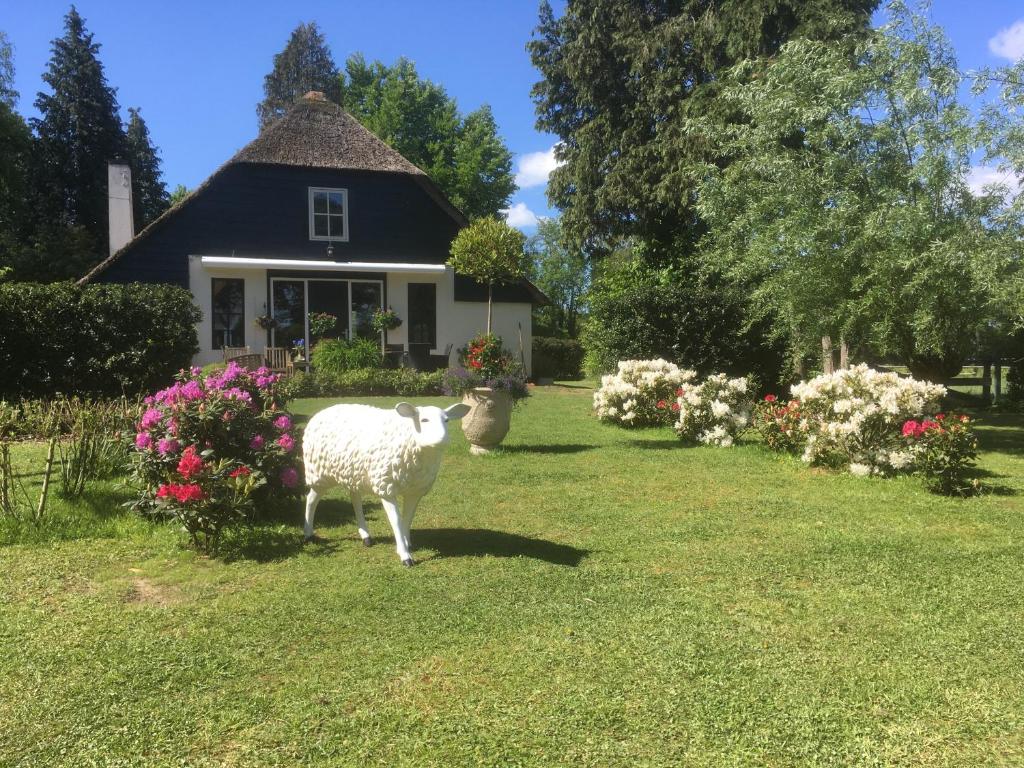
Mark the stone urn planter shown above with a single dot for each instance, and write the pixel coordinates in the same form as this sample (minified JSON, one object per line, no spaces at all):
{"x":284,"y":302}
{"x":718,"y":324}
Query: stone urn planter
{"x":487,"y":423}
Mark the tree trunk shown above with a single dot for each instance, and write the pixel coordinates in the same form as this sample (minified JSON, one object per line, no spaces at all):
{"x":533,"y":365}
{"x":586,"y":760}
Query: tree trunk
{"x":827,"y":364}
{"x":490,"y":289}
{"x":999,"y":380}
{"x":844,"y":353}
{"x":986,"y":384}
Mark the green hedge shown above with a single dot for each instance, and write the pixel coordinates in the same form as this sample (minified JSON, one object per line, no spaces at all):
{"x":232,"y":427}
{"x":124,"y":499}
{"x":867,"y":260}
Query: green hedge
{"x":557,"y":358}
{"x":99,"y":340}
{"x":363,"y":382}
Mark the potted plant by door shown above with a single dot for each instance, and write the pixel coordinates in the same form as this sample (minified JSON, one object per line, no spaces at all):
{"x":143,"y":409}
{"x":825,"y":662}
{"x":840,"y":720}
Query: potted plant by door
{"x":491,"y":383}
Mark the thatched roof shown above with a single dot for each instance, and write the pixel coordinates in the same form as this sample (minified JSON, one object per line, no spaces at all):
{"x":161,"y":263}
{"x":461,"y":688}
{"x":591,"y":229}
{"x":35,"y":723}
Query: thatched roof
{"x":314,"y":133}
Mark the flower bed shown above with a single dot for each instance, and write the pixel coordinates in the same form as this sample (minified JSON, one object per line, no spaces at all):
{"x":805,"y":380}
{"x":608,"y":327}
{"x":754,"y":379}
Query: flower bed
{"x":207,"y":446}
{"x":642,"y":393}
{"x":715,"y":411}
{"x":870,"y":422}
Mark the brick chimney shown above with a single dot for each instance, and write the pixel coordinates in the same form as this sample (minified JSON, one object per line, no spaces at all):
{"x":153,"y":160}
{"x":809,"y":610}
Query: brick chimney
{"x":119,"y":205}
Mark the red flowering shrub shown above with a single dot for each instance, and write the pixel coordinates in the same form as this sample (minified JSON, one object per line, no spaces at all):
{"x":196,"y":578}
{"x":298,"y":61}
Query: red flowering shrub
{"x":779,"y":424}
{"x":944,"y":449}
{"x":484,"y":362}
{"x":208,"y":447}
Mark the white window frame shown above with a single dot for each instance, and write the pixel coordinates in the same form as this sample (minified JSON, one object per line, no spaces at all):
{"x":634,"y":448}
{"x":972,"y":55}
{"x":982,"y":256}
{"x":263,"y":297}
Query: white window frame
{"x":344,"y":205}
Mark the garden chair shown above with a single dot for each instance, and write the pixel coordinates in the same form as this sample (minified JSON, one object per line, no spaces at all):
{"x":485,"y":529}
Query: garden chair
{"x":278,"y":359}
{"x":439,"y":362}
{"x":251,"y":361}
{"x":233,"y":352}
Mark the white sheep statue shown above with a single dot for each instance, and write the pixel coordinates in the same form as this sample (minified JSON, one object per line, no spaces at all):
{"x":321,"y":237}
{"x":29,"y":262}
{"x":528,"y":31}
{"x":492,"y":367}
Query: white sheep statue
{"x":380,"y":452}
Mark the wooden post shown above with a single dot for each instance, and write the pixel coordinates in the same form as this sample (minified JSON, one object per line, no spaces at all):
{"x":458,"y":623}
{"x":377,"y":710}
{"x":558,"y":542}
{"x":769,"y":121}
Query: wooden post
{"x":986,"y":384}
{"x":999,"y":379}
{"x":46,"y":479}
{"x":827,"y":364}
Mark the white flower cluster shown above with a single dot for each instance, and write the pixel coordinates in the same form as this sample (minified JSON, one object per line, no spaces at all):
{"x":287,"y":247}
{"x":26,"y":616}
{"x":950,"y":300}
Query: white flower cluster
{"x":631,"y":396}
{"x":715,"y":411}
{"x":853,"y":418}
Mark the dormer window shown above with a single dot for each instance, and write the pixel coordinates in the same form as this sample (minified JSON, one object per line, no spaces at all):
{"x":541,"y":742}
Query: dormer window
{"x":328,"y":214}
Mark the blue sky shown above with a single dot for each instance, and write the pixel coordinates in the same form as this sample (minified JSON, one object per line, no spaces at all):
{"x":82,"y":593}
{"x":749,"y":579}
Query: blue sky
{"x":196,"y":68}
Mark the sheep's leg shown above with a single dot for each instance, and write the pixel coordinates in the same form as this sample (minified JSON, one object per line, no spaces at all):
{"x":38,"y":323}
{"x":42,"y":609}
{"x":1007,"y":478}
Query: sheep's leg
{"x":391,"y":509}
{"x":408,"y":513}
{"x":357,"y":507}
{"x":312,"y":499}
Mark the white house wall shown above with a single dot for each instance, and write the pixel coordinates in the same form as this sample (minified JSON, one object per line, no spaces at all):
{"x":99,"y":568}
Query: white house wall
{"x":199,"y":277}
{"x":460,"y":321}
{"x":457,"y":321}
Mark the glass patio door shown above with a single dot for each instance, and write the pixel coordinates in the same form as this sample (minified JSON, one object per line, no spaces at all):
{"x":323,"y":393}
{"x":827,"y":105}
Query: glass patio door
{"x":366,"y":297}
{"x":288,"y":298}
{"x":352,"y":302}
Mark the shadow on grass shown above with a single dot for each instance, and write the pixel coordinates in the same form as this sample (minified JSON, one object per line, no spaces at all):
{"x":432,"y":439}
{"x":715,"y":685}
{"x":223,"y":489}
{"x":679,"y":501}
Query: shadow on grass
{"x":552,"y":448}
{"x":266,"y":545}
{"x":480,"y":542}
{"x":656,"y":445}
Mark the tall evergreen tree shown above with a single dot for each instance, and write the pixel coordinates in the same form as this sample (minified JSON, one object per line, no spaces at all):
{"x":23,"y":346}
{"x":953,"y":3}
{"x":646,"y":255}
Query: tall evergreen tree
{"x":464,"y":155}
{"x":15,"y":149}
{"x":304,"y":65}
{"x":8,"y":95}
{"x":620,"y":81}
{"x":78,"y":132}
{"x":149,"y":193}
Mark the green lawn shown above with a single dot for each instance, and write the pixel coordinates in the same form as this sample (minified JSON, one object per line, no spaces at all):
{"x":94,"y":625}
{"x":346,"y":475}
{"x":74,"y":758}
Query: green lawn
{"x":589,"y":596}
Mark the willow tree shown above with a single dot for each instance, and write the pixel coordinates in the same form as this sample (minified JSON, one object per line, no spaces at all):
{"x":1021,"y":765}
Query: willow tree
{"x":490,"y":251}
{"x":846,"y":199}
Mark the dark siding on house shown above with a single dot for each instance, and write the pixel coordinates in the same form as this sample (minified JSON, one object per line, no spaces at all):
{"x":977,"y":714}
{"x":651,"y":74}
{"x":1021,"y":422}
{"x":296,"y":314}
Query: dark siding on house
{"x":262,"y":211}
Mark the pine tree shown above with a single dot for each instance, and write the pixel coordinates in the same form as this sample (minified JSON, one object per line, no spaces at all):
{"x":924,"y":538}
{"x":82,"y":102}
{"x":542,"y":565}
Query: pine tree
{"x":15,"y":149}
{"x":304,"y":65}
{"x":78,"y":132}
{"x":149,"y":193}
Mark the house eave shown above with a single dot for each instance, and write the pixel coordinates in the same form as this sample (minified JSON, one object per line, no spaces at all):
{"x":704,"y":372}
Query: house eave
{"x":315,"y":265}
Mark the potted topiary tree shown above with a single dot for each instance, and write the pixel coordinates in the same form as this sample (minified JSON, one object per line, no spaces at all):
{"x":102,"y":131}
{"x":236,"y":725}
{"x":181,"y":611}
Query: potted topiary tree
{"x":489,"y":380}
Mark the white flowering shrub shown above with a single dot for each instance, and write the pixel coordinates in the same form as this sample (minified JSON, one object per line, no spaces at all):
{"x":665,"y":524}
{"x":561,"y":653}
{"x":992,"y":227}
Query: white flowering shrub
{"x":715,"y":411}
{"x":854,"y":418}
{"x":641,"y":393}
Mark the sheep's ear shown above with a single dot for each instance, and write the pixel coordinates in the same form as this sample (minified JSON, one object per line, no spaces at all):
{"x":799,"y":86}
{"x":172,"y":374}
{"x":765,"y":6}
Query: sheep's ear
{"x":407,"y":409}
{"x":457,"y":411}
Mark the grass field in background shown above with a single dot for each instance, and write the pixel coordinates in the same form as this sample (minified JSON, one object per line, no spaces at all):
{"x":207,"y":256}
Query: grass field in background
{"x":587,"y":596}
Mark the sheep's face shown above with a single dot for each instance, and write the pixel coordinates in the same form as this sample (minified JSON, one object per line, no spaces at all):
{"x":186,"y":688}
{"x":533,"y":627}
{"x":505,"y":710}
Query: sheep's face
{"x":430,"y":423}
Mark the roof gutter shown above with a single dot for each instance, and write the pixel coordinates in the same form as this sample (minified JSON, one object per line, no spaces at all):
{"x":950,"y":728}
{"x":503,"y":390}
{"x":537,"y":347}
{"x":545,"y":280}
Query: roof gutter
{"x":238,"y":262}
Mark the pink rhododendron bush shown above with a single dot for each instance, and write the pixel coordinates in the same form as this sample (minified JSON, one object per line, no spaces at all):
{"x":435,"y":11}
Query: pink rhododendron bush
{"x":641,"y":393}
{"x":715,"y":411}
{"x":209,"y":447}
{"x":872,"y":423}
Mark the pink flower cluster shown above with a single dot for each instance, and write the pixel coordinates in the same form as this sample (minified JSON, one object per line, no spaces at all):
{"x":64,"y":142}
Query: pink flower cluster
{"x":232,"y":415}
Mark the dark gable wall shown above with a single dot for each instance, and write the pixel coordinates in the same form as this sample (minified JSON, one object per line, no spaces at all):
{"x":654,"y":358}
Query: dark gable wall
{"x":263,"y":211}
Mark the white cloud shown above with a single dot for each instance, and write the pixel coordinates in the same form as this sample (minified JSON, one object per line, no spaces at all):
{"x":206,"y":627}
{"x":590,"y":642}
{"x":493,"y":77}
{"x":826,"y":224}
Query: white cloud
{"x":535,"y":167}
{"x":519,"y":215}
{"x":1009,"y":43}
{"x":982,"y":175}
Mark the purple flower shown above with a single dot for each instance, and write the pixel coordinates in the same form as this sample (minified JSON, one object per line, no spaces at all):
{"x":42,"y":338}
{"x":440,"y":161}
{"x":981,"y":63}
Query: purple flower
{"x":286,"y":442}
{"x":289,"y":477}
{"x":195,"y":370}
{"x":192,"y":391}
{"x":150,"y":418}
{"x":166,"y":445}
{"x":237,"y":394}
{"x":282,"y":422}
{"x":143,"y":440}
{"x":257,"y":442}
